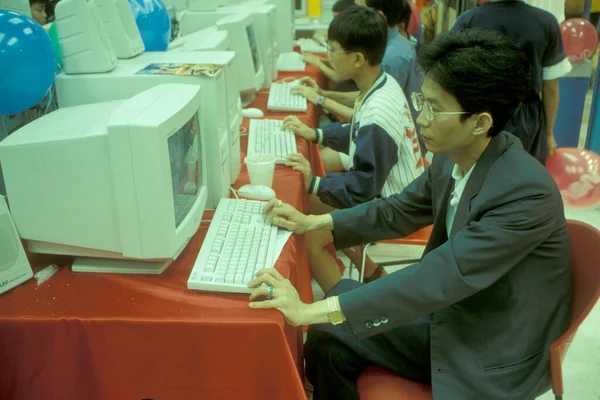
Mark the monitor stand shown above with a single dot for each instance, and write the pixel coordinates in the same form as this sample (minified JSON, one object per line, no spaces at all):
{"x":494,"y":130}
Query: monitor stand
{"x":110,"y":266}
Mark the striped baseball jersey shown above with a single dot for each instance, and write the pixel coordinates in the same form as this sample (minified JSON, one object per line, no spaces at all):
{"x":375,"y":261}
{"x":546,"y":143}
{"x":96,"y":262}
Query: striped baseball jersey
{"x":382,"y":144}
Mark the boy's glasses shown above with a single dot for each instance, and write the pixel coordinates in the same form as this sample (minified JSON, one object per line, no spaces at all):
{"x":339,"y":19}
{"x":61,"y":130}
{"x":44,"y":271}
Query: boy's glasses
{"x":419,"y":103}
{"x":330,"y":52}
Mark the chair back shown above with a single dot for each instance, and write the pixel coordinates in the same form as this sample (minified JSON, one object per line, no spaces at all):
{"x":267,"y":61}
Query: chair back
{"x":585,"y":250}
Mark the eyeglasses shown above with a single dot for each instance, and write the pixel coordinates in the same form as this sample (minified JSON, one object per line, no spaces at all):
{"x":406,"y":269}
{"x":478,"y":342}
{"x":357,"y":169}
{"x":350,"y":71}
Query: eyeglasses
{"x":330,"y":52}
{"x":419,"y":103}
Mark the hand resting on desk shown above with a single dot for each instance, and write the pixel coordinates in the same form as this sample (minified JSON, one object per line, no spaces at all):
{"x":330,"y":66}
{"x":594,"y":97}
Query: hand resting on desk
{"x":271,"y":287}
{"x":279,"y":293}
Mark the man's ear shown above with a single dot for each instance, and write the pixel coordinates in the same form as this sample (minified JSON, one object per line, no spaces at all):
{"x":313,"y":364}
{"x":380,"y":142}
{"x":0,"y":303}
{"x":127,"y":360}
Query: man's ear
{"x":483,"y":123}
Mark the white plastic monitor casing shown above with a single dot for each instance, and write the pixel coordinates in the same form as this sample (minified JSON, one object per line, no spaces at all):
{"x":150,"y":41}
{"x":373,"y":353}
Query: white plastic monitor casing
{"x":193,"y":21}
{"x":124,"y":82}
{"x":121,"y":27}
{"x":95,"y":181}
{"x":180,"y":5}
{"x":211,"y":40}
{"x":84,"y":43}
{"x":14,"y":265}
{"x":202,"y":5}
{"x":19,"y":6}
{"x":250,"y":80}
{"x":285,"y":21}
{"x":251,"y":76}
{"x":208,"y":39}
{"x":264,"y":20}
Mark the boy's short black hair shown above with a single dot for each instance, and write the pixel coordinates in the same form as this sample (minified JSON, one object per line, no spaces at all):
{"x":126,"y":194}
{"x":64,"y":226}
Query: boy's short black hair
{"x":341,"y":5}
{"x":360,"y":29}
{"x":484,"y":70}
{"x":32,"y":2}
{"x":394,"y":10}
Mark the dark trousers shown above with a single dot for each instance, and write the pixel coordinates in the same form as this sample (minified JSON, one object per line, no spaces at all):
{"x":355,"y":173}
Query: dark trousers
{"x":335,"y":357}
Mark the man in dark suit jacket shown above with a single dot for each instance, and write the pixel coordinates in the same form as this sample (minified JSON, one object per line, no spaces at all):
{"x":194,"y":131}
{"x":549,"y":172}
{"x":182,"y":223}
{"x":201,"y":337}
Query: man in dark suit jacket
{"x":476,"y":316}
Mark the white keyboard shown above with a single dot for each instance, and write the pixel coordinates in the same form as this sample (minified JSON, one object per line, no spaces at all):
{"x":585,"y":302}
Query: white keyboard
{"x":266,"y":136}
{"x":310,"y":46}
{"x":291,"y":62}
{"x":282,"y":99}
{"x":238,"y":244}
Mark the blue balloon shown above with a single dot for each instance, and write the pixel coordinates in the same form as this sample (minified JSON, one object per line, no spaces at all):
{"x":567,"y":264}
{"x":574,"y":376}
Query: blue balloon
{"x":153,"y":22}
{"x":27,"y":62}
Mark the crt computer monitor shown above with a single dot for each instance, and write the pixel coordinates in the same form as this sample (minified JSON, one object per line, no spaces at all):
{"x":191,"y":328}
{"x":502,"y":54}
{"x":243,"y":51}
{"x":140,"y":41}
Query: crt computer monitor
{"x":284,"y":10}
{"x":214,"y":40}
{"x":243,"y":40}
{"x":209,"y":70}
{"x":120,"y":185}
{"x":264,"y":17}
{"x":264,"y":20}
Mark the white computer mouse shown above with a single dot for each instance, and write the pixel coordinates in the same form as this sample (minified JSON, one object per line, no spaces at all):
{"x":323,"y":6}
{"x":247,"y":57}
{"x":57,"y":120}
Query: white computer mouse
{"x":256,"y":192}
{"x":252,"y":113}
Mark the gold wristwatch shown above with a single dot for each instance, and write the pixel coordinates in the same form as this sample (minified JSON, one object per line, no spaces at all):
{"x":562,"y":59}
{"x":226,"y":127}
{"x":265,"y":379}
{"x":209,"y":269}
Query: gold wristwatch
{"x":335,"y":314}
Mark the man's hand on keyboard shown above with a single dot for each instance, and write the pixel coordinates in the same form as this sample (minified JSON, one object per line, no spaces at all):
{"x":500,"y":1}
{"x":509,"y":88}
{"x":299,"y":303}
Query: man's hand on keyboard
{"x":300,"y":163}
{"x":284,"y":296}
{"x":300,"y":129}
{"x":308,"y":93}
{"x":286,"y":216}
{"x":311,"y":83}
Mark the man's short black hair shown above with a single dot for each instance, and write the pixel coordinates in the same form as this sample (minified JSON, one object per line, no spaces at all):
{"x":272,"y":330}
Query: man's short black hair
{"x":32,"y":2}
{"x":484,"y":70}
{"x":360,"y":29}
{"x":393,"y":10}
{"x":341,"y":5}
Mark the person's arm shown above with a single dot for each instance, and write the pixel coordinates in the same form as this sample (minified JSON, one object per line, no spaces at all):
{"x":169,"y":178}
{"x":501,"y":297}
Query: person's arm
{"x":344,"y":98}
{"x":375,"y":155}
{"x":555,"y":65}
{"x":320,"y":63}
{"x":335,"y":136}
{"x":341,"y":111}
{"x":475,"y":258}
{"x":328,"y":72}
{"x":550,"y":99}
{"x":344,"y":113}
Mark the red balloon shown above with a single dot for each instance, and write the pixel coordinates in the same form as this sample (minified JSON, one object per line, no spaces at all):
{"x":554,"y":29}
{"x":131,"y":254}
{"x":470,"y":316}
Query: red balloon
{"x":577,"y":174}
{"x":579,"y":38}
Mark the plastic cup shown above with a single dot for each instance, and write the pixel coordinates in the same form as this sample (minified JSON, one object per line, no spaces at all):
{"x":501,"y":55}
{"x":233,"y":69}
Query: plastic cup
{"x":261,"y":168}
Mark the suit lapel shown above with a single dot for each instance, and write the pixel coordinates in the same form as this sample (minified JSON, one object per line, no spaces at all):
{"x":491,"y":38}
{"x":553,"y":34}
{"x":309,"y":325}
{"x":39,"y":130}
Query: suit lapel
{"x":439,"y":232}
{"x":494,"y":150}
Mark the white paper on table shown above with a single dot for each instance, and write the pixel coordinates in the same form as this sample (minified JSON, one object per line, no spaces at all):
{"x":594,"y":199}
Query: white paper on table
{"x":282,"y":237}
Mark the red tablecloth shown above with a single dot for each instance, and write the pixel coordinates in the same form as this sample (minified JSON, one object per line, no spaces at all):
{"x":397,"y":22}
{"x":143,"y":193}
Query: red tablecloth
{"x":108,"y":336}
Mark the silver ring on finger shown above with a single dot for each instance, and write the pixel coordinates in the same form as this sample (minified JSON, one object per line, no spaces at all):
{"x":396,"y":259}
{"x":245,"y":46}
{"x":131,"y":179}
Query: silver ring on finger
{"x":270,"y":292}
